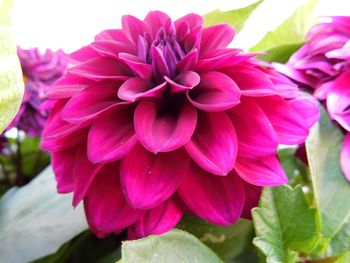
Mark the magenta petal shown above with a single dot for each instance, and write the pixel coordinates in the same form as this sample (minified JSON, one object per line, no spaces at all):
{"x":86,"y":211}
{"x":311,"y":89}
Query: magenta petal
{"x":133,"y":27}
{"x":216,"y":92}
{"x":290,"y":126}
{"x":307,"y":107}
{"x":113,"y":48}
{"x":159,"y":65}
{"x":213,"y":145}
{"x":184,"y":81}
{"x":91,"y":102}
{"x":102,"y":68}
{"x":136,"y":88}
{"x":68,"y":86}
{"x":215,"y":37}
{"x":186,"y":24}
{"x":188,"y":61}
{"x":256,"y":136}
{"x":148,"y":180}
{"x":62,"y":164}
{"x":105,"y":207}
{"x":84,"y":173}
{"x":338,"y":100}
{"x":82,"y":55}
{"x":156,"y":20}
{"x":251,"y":81}
{"x":112,"y":135}
{"x":252,"y":197}
{"x":345,"y":157}
{"x":141,"y":68}
{"x":158,"y":220}
{"x":265,"y":171}
{"x":218,"y":200}
{"x":164,"y":130}
{"x":112,"y":35}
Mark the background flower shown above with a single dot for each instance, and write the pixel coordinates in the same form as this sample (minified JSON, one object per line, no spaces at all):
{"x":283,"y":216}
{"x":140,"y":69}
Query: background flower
{"x":160,"y":118}
{"x":39,"y":72}
{"x":322,"y":66}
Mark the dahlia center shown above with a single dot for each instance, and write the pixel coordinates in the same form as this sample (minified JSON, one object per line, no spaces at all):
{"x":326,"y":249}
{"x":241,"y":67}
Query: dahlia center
{"x":163,"y":53}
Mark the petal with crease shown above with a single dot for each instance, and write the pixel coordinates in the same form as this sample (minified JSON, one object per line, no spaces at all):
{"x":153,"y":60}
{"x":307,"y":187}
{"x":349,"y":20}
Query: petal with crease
{"x":256,"y":136}
{"x":105,"y":206}
{"x":265,"y":171}
{"x":148,"y":180}
{"x":184,"y":81}
{"x":290,"y":126}
{"x":214,"y":143}
{"x":158,"y":220}
{"x":91,"y":102}
{"x":163,"y":130}
{"x":136,"y":88}
{"x":101,"y":68}
{"x":112,"y":136}
{"x":218,"y":200}
{"x":215,"y":37}
{"x":215,"y":92}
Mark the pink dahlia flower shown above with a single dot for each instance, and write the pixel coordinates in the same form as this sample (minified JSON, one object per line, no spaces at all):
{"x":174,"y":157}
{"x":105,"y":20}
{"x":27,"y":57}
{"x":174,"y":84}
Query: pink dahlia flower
{"x":322,"y":65}
{"x":160,"y":117}
{"x":39,"y":72}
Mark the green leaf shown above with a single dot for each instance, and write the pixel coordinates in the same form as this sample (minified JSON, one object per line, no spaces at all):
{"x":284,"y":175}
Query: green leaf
{"x":332,"y":191}
{"x":236,"y":18}
{"x":35,"y":220}
{"x":344,"y":258}
{"x":281,"y":53}
{"x":173,"y":246}
{"x":227,"y":242}
{"x":291,"y":32}
{"x":86,"y":248}
{"x":11,"y":82}
{"x":285,"y":224}
{"x":340,"y":243}
{"x":295,"y":169}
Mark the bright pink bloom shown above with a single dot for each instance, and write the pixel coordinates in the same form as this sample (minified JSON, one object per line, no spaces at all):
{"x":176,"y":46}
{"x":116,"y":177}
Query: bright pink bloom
{"x":323,"y":65}
{"x":39,"y":72}
{"x":160,"y":118}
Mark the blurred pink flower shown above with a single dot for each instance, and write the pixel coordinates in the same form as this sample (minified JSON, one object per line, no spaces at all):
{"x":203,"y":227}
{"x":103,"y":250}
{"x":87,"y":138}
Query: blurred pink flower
{"x":39,"y":72}
{"x":323,"y":65}
{"x":160,"y":117}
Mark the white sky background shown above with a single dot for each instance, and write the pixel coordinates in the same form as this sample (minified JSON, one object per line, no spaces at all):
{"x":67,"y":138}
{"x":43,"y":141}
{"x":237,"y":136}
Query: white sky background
{"x":70,"y":24}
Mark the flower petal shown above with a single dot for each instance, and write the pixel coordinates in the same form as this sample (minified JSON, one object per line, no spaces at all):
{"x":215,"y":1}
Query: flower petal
{"x":67,"y":87}
{"x":148,"y":180}
{"x":218,"y":200}
{"x":184,"y":81}
{"x":112,"y":136}
{"x":252,"y":197}
{"x":338,"y":100}
{"x":256,"y":136}
{"x":138,"y":66}
{"x":308,"y":107}
{"x":91,"y":102}
{"x":214,"y":143}
{"x":290,"y":126}
{"x":345,"y":157}
{"x":158,"y":220}
{"x":265,"y":171}
{"x":105,"y":207}
{"x":215,"y":37}
{"x":84,"y":173}
{"x":164,"y":127}
{"x":133,"y":27}
{"x":216,"y":92}
{"x":188,"y":61}
{"x":251,"y":81}
{"x":137,"y":88}
{"x":101,"y":68}
{"x":82,"y":55}
{"x":113,"y":48}
{"x":156,"y":20}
